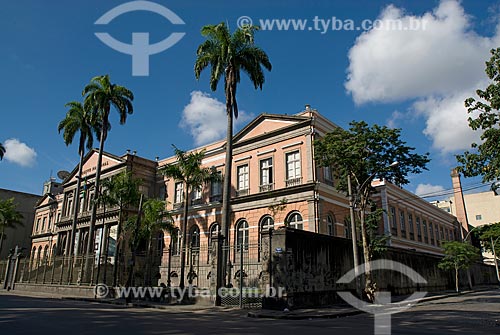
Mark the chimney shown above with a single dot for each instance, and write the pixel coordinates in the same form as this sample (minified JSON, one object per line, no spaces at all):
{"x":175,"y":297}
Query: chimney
{"x":461,"y":212}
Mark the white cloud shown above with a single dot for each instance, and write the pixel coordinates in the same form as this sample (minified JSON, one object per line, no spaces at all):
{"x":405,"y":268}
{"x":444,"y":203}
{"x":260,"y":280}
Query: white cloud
{"x":396,"y":116}
{"x":19,"y":153}
{"x":446,"y":122}
{"x":428,"y":189}
{"x":205,"y":118}
{"x":439,"y":65}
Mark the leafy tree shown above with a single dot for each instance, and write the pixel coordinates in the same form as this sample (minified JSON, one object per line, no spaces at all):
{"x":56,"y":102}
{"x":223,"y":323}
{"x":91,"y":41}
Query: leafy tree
{"x":78,"y":120}
{"x":362,"y":153}
{"x":2,"y":151}
{"x":377,"y":244}
{"x":188,"y":170}
{"x":490,"y":238}
{"x":228,"y":55}
{"x":122,"y":191}
{"x":484,"y":160}
{"x":458,"y":255}
{"x":100,"y":95}
{"x":9,"y":217}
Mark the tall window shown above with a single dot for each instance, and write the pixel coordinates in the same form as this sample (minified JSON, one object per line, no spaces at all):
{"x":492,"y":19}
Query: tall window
{"x":293,"y":173}
{"x":347,"y":228}
{"x":410,"y":226}
{"x":242,"y":235}
{"x":179,"y":192}
{"x":402,"y":221}
{"x":44,"y":221}
{"x":419,"y":231}
{"x":426,"y":233}
{"x":431,"y":232}
{"x":243,"y":179}
{"x":216,"y":188}
{"x":213,"y":231}
{"x":295,"y":221}
{"x":330,"y":226}
{"x":327,"y":173}
{"x":194,"y":237}
{"x":266,"y":174}
{"x":265,"y":224}
{"x":37,"y":225}
{"x":196,"y":194}
{"x":394,"y":223}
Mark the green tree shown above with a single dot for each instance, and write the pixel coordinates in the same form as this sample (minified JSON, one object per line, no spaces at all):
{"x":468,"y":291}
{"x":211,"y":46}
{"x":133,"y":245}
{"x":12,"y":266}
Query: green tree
{"x":122,"y":191}
{"x":228,"y":55}
{"x":362,"y":153}
{"x":484,"y":160}
{"x":458,"y":255}
{"x":9,"y":217}
{"x":188,"y":170}
{"x":490,"y":239}
{"x":154,"y":219}
{"x":78,"y":120}
{"x":100,"y":95}
{"x":2,"y":151}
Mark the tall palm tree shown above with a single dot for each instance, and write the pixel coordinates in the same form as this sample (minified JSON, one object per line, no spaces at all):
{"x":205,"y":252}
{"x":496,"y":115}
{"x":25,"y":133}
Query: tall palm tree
{"x":188,"y":170}
{"x":9,"y":217}
{"x":2,"y":151}
{"x":228,"y":54}
{"x":100,"y":95}
{"x":78,"y":120}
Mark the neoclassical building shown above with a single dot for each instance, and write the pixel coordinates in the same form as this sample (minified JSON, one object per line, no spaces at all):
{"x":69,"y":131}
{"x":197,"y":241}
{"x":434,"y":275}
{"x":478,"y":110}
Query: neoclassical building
{"x":275,"y":181}
{"x":54,"y":212}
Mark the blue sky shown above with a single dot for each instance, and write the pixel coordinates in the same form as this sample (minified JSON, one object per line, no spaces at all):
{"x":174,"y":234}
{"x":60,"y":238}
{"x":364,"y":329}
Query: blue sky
{"x":415,"y":80}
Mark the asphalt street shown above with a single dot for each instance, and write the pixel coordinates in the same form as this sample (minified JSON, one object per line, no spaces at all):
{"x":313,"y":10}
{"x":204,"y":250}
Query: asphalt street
{"x":474,"y":313}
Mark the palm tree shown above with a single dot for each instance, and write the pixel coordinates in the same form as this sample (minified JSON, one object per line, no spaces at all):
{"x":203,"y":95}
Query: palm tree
{"x":2,"y":151}
{"x":9,"y":217}
{"x":78,"y":119}
{"x":155,"y":220}
{"x":188,"y":170}
{"x":227,"y":55}
{"x":100,"y":95}
{"x":122,"y":190}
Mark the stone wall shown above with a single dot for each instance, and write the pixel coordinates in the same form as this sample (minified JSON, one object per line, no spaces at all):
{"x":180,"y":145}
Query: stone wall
{"x":309,"y":265}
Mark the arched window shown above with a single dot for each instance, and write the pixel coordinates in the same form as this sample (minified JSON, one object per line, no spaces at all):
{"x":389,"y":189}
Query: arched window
{"x":242,"y":235}
{"x":194,"y":237}
{"x":39,"y":255}
{"x":294,"y":220}
{"x":46,"y":253}
{"x":330,"y":226}
{"x":213,"y":232}
{"x":266,"y":223}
